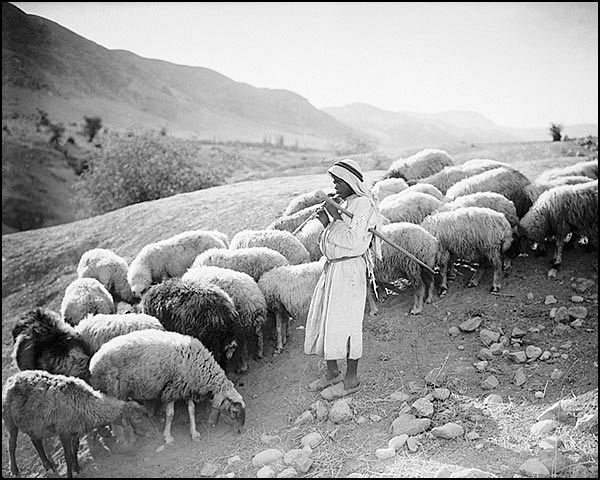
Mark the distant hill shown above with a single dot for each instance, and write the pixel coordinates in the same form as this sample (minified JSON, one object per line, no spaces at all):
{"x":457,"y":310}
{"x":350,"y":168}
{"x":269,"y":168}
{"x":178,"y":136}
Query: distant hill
{"x":393,"y":130}
{"x":47,"y":66}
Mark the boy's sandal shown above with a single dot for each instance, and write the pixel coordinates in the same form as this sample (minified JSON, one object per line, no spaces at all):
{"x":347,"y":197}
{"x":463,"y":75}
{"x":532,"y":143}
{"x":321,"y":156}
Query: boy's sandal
{"x":324,"y":382}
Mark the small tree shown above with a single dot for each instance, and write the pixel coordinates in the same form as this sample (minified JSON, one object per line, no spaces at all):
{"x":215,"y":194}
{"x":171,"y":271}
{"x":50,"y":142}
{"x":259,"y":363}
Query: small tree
{"x":91,"y":127}
{"x":555,"y":131}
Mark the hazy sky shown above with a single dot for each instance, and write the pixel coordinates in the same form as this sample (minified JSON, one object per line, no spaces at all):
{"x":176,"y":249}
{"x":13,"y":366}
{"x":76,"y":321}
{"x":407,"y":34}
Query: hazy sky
{"x":519,"y":64}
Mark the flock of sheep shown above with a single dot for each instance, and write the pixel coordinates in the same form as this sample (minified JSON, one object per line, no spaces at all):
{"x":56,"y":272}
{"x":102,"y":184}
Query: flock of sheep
{"x":196,"y":303}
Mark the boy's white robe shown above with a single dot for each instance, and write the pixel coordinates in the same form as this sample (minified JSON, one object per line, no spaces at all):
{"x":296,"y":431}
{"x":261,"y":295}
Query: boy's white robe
{"x":335,"y":317}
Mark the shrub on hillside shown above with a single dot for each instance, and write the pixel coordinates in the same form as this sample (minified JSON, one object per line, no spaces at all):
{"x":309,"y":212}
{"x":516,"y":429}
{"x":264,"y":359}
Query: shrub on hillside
{"x":136,"y":168}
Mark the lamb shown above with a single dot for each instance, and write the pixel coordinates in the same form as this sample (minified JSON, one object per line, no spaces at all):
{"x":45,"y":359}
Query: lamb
{"x":288,"y":292}
{"x":587,"y":168}
{"x":281,"y":241}
{"x":44,"y":341}
{"x":43,"y":404}
{"x":425,"y":188}
{"x":248,"y":300}
{"x":395,"y":265}
{"x":448,"y":176}
{"x":309,"y":237}
{"x":109,"y":269}
{"x":151,"y":364}
{"x":408,"y":207}
{"x":388,"y":186}
{"x":169,"y":258}
{"x":475,"y":234}
{"x":84,"y":296}
{"x":538,"y":187}
{"x":559,"y":211}
{"x":422,"y":164}
{"x":202,"y":310}
{"x":507,"y":181}
{"x":293,"y":221}
{"x":254,"y":261}
{"x":303,"y":201}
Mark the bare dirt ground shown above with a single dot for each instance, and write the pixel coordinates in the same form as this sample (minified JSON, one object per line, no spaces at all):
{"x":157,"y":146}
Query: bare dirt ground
{"x":400,"y":350}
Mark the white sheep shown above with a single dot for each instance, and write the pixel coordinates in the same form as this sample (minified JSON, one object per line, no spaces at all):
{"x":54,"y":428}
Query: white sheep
{"x":84,"y":296}
{"x":422,"y":164}
{"x":408,"y":207}
{"x":96,"y":330}
{"x":169,"y":258}
{"x":540,"y":186}
{"x":309,"y":237}
{"x":151,"y":364}
{"x":109,"y":269}
{"x":588,"y":168}
{"x":493,"y":200}
{"x":474,"y":234}
{"x":251,"y":260}
{"x":395,"y":265}
{"x":293,"y":221}
{"x":507,"y":181}
{"x":450,"y":175}
{"x":281,"y":241}
{"x":560,"y":211}
{"x":304,"y":200}
{"x":42,"y":404}
{"x":388,"y":186}
{"x":248,"y":299}
{"x":288,"y":292}
{"x":424,"y":188}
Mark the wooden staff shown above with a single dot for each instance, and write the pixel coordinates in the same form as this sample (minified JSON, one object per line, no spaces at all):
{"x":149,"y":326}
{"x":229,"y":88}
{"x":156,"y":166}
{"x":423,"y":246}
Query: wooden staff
{"x":326,"y":200}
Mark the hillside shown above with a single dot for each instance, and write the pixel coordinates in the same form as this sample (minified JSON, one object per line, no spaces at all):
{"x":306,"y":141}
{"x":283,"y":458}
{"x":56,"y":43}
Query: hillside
{"x":400,"y":350}
{"x":47,"y":66}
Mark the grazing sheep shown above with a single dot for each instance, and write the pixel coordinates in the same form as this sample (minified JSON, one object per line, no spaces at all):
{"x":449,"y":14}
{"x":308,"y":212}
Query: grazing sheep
{"x":448,"y":176}
{"x":44,"y":341}
{"x":422,"y":164}
{"x":388,"y":186}
{"x":303,"y":201}
{"x":248,"y":300}
{"x":425,"y":188}
{"x":281,"y":241}
{"x":588,"y":168}
{"x":309,"y":237}
{"x":84,"y":296}
{"x":202,"y":310}
{"x":293,"y":221}
{"x":252,"y":260}
{"x":493,"y":200}
{"x":540,"y":186}
{"x":562,"y":210}
{"x":475,"y":234}
{"x":288,"y":292}
{"x":96,"y":330}
{"x":408,"y":207}
{"x":109,"y":269}
{"x":42,"y":404}
{"x":507,"y":181}
{"x":151,"y":364}
{"x":169,"y":258}
{"x":395,"y":265}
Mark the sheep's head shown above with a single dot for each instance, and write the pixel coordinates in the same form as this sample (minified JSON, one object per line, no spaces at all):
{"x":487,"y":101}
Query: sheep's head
{"x":139,"y":279}
{"x":230,"y":403}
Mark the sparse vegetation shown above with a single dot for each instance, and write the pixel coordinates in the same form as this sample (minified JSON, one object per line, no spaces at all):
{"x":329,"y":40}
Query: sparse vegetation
{"x":136,"y":168}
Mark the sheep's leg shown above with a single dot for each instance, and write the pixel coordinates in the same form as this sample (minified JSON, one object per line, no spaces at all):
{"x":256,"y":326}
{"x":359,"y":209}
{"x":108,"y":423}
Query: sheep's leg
{"x":373,"y":310}
{"x":170,"y":412}
{"x":476,"y":278}
{"x":67,"y":444}
{"x":444,"y":262}
{"x":13,"y":433}
{"x":192,"y":414}
{"x":419,"y":295}
{"x":428,"y":281}
{"x":281,"y":333}
{"x":259,"y":343}
{"x":39,"y":446}
{"x":557,"y":258}
{"x":75,"y":449}
{"x":242,"y":356}
{"x":496,"y":261}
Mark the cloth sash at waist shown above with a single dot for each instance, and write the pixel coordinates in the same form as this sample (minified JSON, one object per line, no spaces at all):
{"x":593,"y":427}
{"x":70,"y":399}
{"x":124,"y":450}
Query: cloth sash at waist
{"x":341,"y":259}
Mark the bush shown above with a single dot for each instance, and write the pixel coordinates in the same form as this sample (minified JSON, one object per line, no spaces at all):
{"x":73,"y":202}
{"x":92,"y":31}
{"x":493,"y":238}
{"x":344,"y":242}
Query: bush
{"x":138,"y":168}
{"x":556,"y":131}
{"x":91,"y":127}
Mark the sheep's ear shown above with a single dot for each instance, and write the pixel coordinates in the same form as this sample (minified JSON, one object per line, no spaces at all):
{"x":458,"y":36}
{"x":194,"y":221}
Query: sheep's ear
{"x":230,"y":349}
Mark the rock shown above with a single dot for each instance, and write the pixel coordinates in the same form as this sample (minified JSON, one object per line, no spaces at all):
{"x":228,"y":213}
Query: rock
{"x":472,"y":436}
{"x":496,"y":348}
{"x":576,"y":323}
{"x":441,"y":393}
{"x":305,"y":417}
{"x":517,"y":357}
{"x":340,"y":411}
{"x":422,"y":408}
{"x":562,"y":315}
{"x":234,"y":459}
{"x":448,"y":431}
{"x":553,"y":412}
{"x":472,"y":473}
{"x":209,"y":469}
{"x":550,"y":300}
{"x":319,"y":408}
{"x":399,"y":396}
{"x":453,"y":331}
{"x":561,"y":329}
{"x":488,"y":336}
{"x":520,"y":377}
{"x":471,"y":324}
{"x":556,"y":374}
{"x":543,"y":427}
{"x":577,"y":299}
{"x":361,"y":420}
{"x":289,"y":472}
{"x":290,"y":456}
{"x":435,"y":377}
{"x":270,"y":455}
{"x":533,"y":352}
{"x":265,"y":472}
{"x":398,"y":441}
{"x":545,"y":356}
{"x":588,"y":423}
{"x":412,"y":444}
{"x":375,"y":418}
{"x":551,"y":443}
{"x":517,"y":333}
{"x":481,"y":366}
{"x":552,"y":313}
{"x":492,"y":398}
{"x":384,"y":453}
{"x":578,"y":312}
{"x":443,"y":472}
{"x":539,"y":394}
{"x":553,"y":460}
{"x":270,"y":439}
{"x":534,"y":468}
{"x":312,"y":439}
{"x":485,"y":354}
{"x":409,"y":426}
{"x":490,"y":383}
{"x":530,"y":296}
